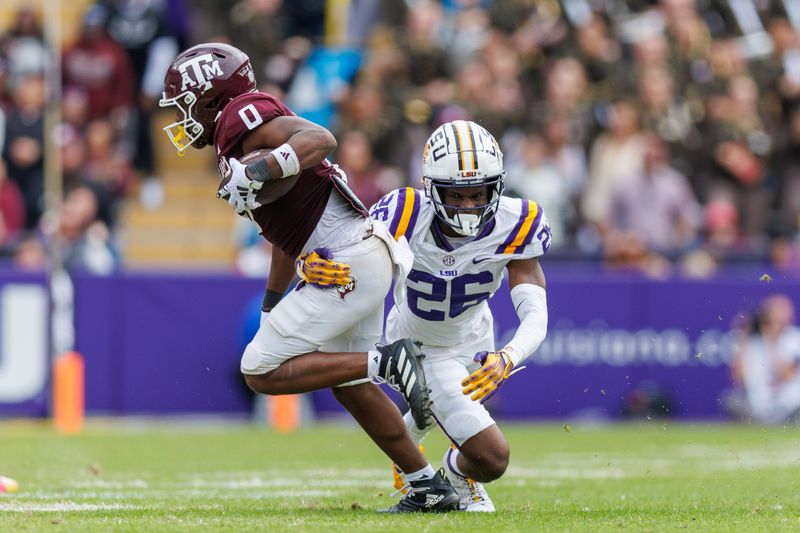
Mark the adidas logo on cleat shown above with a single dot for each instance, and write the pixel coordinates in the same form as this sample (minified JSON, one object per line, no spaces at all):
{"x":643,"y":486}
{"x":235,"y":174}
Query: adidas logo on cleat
{"x":432,"y":499}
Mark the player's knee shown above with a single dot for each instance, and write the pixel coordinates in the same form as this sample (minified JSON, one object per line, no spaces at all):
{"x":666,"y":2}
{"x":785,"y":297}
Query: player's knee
{"x":343,"y":396}
{"x":258,"y":384}
{"x":498,"y":463}
{"x":492,"y":462}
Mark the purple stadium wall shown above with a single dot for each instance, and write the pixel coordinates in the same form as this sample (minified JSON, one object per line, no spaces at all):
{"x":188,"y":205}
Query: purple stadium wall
{"x":166,"y":344}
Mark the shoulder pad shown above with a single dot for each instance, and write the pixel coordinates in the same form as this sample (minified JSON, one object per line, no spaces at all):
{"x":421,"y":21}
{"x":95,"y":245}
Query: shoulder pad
{"x":531,"y":223}
{"x":400,"y":210}
{"x":244,"y":114}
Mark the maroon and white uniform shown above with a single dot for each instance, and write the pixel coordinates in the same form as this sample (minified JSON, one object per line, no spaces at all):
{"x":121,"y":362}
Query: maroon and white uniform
{"x":317,"y":212}
{"x":291,"y":221}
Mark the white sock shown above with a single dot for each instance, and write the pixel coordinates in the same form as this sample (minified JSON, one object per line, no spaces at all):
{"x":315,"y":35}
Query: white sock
{"x":452,"y":461}
{"x":426,"y":473}
{"x":373,"y":363}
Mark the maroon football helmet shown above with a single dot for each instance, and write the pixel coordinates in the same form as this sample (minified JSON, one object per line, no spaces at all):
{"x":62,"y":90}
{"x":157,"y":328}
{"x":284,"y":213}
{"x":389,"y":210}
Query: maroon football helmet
{"x":200,"y":82}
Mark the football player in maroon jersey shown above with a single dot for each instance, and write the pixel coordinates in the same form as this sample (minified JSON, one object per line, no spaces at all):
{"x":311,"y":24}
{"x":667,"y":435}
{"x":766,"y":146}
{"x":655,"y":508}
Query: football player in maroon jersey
{"x":323,"y":333}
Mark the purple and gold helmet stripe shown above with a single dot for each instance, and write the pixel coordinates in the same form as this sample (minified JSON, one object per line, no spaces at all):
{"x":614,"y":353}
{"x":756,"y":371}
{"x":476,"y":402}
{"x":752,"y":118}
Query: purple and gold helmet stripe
{"x":522,"y":233}
{"x":474,"y":148}
{"x":405,"y":217}
{"x":457,"y":138}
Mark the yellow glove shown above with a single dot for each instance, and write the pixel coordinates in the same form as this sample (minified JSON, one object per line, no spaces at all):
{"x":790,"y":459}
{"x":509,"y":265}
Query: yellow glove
{"x":316,"y":268}
{"x":496,"y":367}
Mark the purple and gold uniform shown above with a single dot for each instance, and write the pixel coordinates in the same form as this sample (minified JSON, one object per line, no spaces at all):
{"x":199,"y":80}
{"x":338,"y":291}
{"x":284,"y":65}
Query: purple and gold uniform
{"x":447,"y":292}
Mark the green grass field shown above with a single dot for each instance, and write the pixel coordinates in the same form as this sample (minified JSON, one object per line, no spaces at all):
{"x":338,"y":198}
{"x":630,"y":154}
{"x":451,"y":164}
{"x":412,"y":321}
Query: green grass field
{"x":133,"y":476}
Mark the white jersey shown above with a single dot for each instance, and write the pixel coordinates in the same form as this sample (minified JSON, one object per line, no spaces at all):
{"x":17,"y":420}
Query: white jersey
{"x":447,"y":289}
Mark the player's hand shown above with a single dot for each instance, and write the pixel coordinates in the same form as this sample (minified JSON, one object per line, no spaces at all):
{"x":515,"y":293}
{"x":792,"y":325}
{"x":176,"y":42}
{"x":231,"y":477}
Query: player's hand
{"x":239,"y":190}
{"x":316,"y":268}
{"x":496,"y":368}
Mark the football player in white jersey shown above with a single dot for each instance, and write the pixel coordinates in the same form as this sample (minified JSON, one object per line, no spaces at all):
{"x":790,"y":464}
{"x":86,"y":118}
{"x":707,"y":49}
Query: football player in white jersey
{"x":465,"y":235}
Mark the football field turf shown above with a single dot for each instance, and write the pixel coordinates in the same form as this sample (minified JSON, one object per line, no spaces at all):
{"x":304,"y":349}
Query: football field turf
{"x":143,"y":476}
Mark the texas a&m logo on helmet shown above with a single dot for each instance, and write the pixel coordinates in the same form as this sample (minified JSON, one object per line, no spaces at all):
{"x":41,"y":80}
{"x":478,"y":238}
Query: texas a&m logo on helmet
{"x":199,"y":84}
{"x":197,"y":71}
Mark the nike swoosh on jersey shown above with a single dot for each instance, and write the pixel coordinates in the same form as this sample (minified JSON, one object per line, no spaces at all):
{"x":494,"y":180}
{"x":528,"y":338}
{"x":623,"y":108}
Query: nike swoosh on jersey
{"x":475,"y":260}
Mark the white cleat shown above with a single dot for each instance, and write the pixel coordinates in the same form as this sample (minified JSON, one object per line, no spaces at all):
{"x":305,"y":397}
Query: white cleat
{"x":473,"y":495}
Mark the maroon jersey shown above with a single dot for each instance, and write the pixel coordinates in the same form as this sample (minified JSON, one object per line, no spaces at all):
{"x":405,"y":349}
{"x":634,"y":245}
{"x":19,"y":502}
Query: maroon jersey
{"x":288,"y":222}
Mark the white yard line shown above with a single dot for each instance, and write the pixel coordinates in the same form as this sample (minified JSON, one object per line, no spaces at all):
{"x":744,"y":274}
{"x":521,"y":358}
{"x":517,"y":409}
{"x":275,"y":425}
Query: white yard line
{"x":65,"y":507}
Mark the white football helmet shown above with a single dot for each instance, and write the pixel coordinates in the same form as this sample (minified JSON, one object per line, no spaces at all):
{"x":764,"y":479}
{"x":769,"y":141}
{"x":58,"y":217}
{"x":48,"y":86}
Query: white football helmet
{"x":463,"y":154}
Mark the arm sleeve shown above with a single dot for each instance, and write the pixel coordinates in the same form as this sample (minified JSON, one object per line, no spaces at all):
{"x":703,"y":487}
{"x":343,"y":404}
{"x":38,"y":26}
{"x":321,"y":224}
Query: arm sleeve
{"x":530,"y":301}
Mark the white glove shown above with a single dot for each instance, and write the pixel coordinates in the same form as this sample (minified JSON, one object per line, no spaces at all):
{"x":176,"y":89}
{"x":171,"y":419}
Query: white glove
{"x":240,"y":191}
{"x":264,"y":317}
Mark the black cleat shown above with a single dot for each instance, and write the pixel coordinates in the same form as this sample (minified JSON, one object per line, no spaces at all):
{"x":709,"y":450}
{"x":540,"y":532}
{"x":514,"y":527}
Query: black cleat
{"x":435,"y":495}
{"x":401,"y":368}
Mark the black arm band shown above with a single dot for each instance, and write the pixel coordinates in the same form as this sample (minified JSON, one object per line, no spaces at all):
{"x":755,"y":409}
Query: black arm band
{"x":271,"y":299}
{"x":259,"y":171}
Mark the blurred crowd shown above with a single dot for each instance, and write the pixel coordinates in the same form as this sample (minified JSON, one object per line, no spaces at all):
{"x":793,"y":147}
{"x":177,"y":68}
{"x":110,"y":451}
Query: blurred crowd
{"x":111,"y":79}
{"x":660,"y":136}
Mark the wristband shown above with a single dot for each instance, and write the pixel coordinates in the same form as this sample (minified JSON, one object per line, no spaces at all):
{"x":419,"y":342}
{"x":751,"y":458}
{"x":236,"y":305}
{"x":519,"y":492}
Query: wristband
{"x":271,"y":299}
{"x":287,"y":159}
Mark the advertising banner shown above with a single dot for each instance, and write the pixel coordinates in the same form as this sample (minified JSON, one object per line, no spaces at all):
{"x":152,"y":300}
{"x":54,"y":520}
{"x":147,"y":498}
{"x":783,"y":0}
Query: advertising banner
{"x":24,"y":345}
{"x":615,"y":347}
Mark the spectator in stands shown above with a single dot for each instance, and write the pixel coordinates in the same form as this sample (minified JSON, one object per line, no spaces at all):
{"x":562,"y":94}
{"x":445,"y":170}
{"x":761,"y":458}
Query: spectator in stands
{"x":787,"y":167}
{"x":366,"y":176}
{"x":367,"y":108}
{"x":656,"y":205}
{"x":5,"y":95}
{"x":80,"y":238}
{"x":616,"y":157}
{"x":105,"y":166}
{"x":566,"y":95}
{"x":100,"y":68}
{"x":12,"y":209}
{"x":666,"y":113}
{"x":535,"y":175}
{"x":423,"y":41}
{"x":740,"y":144}
{"x":566,"y":154}
{"x":779,"y":74}
{"x":23,"y":47}
{"x":24,"y":145}
{"x":151,"y":43}
{"x":5,"y":102}
{"x":71,"y":135}
{"x":258,"y":27}
{"x":30,"y":254}
{"x":767,"y":362}
{"x":601,"y":55}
